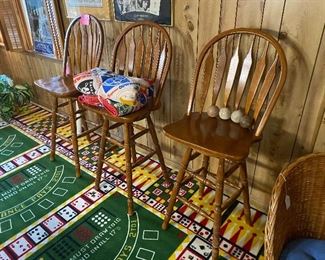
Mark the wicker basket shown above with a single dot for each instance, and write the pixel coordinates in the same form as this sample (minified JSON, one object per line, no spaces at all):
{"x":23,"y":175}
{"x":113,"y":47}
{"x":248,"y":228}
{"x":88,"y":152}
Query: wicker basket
{"x":304,"y":182}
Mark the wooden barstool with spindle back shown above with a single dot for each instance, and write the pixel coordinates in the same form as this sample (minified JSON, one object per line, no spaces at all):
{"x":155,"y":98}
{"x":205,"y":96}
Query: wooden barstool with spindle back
{"x":142,"y":50}
{"x":83,"y":47}
{"x":240,"y":70}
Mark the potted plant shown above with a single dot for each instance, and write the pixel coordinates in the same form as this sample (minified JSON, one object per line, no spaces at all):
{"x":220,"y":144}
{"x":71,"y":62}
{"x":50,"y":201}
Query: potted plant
{"x":12,"y":97}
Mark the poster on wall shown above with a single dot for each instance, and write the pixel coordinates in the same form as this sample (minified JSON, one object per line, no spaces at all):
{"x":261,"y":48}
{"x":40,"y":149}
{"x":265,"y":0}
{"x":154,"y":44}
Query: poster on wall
{"x":159,"y":11}
{"x":98,"y":8}
{"x":40,"y":28}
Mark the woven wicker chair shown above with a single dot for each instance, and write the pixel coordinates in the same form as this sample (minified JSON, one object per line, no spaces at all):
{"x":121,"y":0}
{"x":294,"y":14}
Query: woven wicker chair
{"x":304,"y":182}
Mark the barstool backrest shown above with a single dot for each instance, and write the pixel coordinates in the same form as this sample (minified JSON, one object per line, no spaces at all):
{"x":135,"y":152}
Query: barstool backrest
{"x":144,"y":50}
{"x":240,"y":69}
{"x":83,"y":45}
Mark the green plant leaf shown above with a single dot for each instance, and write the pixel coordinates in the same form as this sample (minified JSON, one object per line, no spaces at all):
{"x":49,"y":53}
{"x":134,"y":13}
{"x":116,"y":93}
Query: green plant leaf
{"x":12,"y":98}
{"x":22,"y":87}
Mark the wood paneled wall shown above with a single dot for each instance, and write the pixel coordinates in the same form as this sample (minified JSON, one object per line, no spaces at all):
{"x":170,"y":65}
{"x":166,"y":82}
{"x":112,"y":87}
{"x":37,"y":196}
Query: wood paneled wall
{"x":297,"y":124}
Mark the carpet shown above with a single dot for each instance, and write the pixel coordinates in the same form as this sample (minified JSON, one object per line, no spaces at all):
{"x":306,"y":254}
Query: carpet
{"x":47,"y":213}
{"x":13,"y":142}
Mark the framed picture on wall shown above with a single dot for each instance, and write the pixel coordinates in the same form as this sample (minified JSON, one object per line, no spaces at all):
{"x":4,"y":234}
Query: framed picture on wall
{"x":99,"y":8}
{"x":159,"y":11}
{"x":44,"y":25}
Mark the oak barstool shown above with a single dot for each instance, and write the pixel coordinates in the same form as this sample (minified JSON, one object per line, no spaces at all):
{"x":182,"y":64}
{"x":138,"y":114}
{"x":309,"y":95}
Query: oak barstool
{"x":142,"y":50}
{"x":83,"y":47}
{"x":238,"y":79}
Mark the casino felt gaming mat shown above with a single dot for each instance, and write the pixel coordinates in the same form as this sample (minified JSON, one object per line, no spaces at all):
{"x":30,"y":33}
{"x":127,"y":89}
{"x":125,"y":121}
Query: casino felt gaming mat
{"x":48,"y":213}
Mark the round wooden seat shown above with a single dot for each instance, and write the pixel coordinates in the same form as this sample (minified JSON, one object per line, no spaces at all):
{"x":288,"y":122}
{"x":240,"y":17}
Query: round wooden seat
{"x":213,"y":136}
{"x":58,"y":86}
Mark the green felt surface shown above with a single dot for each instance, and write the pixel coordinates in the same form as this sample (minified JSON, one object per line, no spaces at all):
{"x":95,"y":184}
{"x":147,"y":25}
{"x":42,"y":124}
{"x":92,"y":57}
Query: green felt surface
{"x":33,"y":191}
{"x":44,"y":217}
{"x":13,"y":142}
{"x":107,"y":232}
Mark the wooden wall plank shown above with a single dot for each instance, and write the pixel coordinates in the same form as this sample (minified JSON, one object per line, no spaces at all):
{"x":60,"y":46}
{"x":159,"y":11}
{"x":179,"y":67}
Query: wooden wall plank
{"x":314,"y":106}
{"x":5,"y":67}
{"x":270,"y":21}
{"x":184,"y":39}
{"x":255,"y":9}
{"x":228,"y":14}
{"x":208,"y":23}
{"x":207,"y":29}
{"x":161,"y":116}
{"x":112,"y":31}
{"x":320,"y":140}
{"x":272,"y":17}
{"x":300,"y":47}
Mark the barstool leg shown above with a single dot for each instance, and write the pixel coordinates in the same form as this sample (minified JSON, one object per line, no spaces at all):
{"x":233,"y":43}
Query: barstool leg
{"x":205,"y":165}
{"x":101,"y":155}
{"x":128,"y":167}
{"x":177,"y":186}
{"x":54,"y":128}
{"x":132,"y":143}
{"x":244,"y":182}
{"x":157,"y":147}
{"x":218,"y":210}
{"x":74,"y":138}
{"x":83,"y":120}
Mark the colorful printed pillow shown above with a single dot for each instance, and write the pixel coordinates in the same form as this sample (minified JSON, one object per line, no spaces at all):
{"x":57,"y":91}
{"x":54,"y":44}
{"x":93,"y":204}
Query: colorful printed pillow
{"x":88,"y":82}
{"x":118,"y":94}
{"x":122,"y":95}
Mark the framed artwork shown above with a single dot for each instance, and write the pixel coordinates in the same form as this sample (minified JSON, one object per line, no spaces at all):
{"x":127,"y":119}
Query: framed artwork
{"x":99,"y":8}
{"x":45,"y":27}
{"x":159,"y":11}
